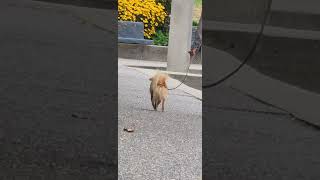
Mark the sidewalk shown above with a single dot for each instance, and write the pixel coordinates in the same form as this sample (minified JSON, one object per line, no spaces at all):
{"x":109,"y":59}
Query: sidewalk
{"x":165,"y":145}
{"x":195,"y":69}
{"x":191,"y":85}
{"x":299,"y":102}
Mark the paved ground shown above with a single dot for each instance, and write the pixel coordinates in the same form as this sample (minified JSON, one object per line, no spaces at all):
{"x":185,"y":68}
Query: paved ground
{"x":165,"y":145}
{"x":243,"y":138}
{"x":246,"y":140}
{"x":53,"y":94}
{"x":54,"y":110}
{"x":289,"y":51}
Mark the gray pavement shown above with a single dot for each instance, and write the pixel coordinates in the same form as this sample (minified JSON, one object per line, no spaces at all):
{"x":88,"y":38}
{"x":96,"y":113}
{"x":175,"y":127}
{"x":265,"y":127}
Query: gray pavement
{"x":54,"y":98}
{"x":247,"y":140}
{"x":300,"y":102}
{"x":54,"y":109}
{"x":165,"y":145}
{"x":244,"y":139}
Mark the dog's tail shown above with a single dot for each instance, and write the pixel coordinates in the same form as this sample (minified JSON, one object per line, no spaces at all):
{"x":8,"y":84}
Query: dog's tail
{"x":162,"y":80}
{"x":158,"y":75}
{"x":159,"y":80}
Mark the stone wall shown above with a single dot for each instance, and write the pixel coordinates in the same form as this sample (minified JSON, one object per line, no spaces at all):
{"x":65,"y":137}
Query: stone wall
{"x":148,"y":52}
{"x":142,"y":52}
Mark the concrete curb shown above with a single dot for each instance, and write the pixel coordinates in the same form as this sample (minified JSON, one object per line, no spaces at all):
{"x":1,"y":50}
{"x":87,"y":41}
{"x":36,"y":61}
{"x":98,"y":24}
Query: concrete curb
{"x":194,"y":68}
{"x":173,"y":83}
{"x":299,"y":102}
{"x":144,"y":52}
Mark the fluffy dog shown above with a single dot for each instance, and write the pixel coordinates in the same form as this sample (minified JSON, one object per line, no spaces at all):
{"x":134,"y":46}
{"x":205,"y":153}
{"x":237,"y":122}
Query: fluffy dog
{"x":158,"y":90}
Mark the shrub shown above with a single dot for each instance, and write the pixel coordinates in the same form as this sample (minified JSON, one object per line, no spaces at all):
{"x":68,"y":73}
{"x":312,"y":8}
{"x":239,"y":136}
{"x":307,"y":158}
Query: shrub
{"x":167,"y":5}
{"x":161,"y":38}
{"x":195,"y":23}
{"x":150,"y":12}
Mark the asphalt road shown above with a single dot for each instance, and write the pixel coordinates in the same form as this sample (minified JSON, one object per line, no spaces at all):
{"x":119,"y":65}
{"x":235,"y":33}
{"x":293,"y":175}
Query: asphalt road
{"x":55,"y":105}
{"x":165,"y":145}
{"x":244,"y":139}
{"x":55,"y":93}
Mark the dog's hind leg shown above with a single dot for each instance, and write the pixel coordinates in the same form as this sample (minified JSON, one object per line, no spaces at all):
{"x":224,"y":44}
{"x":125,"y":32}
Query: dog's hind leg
{"x":163,"y":105}
{"x":158,"y":102}
{"x":153,"y":104}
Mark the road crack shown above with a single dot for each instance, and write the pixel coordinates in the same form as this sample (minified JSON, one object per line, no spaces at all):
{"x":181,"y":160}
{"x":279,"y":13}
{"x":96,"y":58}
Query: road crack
{"x":250,"y":110}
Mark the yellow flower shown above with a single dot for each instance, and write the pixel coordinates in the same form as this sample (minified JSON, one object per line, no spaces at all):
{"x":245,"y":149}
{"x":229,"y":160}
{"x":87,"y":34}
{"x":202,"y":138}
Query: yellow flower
{"x":151,"y":13}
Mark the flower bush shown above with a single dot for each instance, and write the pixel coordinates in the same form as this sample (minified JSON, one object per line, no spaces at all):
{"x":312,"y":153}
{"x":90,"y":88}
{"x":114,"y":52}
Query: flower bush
{"x":161,"y":38}
{"x":150,"y":12}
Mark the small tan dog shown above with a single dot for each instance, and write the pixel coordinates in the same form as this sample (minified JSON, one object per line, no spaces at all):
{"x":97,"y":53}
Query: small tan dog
{"x":158,"y":90}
